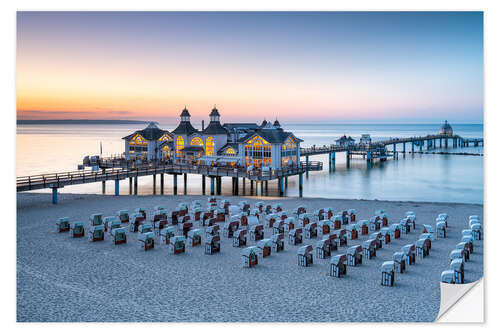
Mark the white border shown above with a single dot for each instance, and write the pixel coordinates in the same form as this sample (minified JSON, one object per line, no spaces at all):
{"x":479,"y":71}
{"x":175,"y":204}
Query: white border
{"x":8,"y":244}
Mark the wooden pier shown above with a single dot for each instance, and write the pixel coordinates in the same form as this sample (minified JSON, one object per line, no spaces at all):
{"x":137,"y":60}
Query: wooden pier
{"x":259,"y":176}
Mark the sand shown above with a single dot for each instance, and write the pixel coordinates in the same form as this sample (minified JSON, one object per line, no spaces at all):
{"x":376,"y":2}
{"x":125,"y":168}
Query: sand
{"x":65,"y":279}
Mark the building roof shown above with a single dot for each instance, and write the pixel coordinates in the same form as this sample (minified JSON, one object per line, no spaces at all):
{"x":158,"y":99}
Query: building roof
{"x":264,"y":123}
{"x":276,"y":123}
{"x":231,"y":126}
{"x":214,"y":112}
{"x":271,"y":135}
{"x":344,"y":138}
{"x":150,"y":133}
{"x":233,"y":145}
{"x":214,"y":127}
{"x":185,"y":113}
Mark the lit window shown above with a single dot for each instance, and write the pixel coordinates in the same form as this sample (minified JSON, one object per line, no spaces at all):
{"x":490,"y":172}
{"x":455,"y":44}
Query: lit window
{"x":179,"y":144}
{"x":196,"y":141}
{"x":210,"y":146}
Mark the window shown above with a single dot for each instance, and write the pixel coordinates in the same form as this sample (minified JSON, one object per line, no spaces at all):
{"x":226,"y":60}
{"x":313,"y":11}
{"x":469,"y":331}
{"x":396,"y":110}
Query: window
{"x":210,"y":146}
{"x":179,"y":145}
{"x":258,"y":152}
{"x":196,"y":141}
{"x":288,"y":152}
{"x":165,"y":137}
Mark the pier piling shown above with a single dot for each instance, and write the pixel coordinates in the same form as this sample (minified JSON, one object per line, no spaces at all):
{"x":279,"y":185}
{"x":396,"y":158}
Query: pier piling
{"x":154,"y":184}
{"x":307,"y":162}
{"x":203,"y":184}
{"x":54,"y":195}
{"x":281,"y":185}
{"x":212,"y":185}
{"x":347,"y":157}
{"x":286,"y":181}
{"x":117,"y":187}
{"x":103,"y":187}
{"x":162,"y":183}
{"x":219,"y":185}
{"x":185,"y":183}
{"x":136,"y":179}
{"x":251,"y":186}
{"x":300,"y":185}
{"x":130,"y":185}
{"x":175,"y":184}
{"x":243,"y":185}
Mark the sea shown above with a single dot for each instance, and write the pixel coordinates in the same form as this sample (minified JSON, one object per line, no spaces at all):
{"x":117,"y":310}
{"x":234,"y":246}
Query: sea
{"x":48,"y":148}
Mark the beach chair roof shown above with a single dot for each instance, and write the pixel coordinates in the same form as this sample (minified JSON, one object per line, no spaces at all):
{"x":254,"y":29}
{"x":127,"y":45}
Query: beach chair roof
{"x":428,"y":227}
{"x":259,"y":204}
{"x":290,"y":220}
{"x":63,"y":219}
{"x":233,"y":210}
{"x":109,"y":219}
{"x":448,"y":276}
{"x":311,"y":225}
{"x":280,"y":214}
{"x":303,"y":250}
{"x":373,"y":219}
{"x":398,"y":256}
{"x":425,"y":236}
{"x":234,"y":218}
{"x":457,"y":265}
{"x":475,"y":226}
{"x":270,"y":216}
{"x":146,"y":235}
{"x":395,"y":226}
{"x":408,"y":248}
{"x":473,"y":217}
{"x":337,"y":218}
{"x":138,"y":210}
{"x":159,"y":207}
{"x":455,"y":254}
{"x":460,"y":246}
{"x":376,"y":235}
{"x":467,"y":239}
{"x":441,"y":225}
{"x":363,"y":222}
{"x":123,"y":212}
{"x":255,"y":227}
{"x":412,"y":218}
{"x":176,"y":239}
{"x":265,"y":242}
{"x":76,"y":224}
{"x":322,"y":242}
{"x":195,"y":232}
{"x":340,"y":232}
{"x":338,"y":259}
{"x":170,"y":228}
{"x":369,"y":243}
{"x":384,"y":231}
{"x":121,"y":230}
{"x":467,"y":232}
{"x":444,"y":215}
{"x":387,"y":266}
{"x":247,"y":251}
{"x":325,"y":222}
{"x":410,"y":213}
{"x":295,"y":231}
{"x":305,"y":215}
{"x":351,"y":211}
{"x":420,"y":242}
{"x":354,"y":249}
{"x":352,"y":227}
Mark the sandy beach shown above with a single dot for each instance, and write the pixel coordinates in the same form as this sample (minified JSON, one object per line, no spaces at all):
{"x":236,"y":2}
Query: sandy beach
{"x":65,"y":279}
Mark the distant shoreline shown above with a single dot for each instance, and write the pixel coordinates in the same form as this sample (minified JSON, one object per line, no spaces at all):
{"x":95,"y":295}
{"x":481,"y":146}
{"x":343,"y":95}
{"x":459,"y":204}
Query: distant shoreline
{"x":78,"y":121}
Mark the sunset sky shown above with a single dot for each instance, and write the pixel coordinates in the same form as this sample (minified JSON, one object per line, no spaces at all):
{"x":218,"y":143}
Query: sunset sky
{"x":346,"y":67}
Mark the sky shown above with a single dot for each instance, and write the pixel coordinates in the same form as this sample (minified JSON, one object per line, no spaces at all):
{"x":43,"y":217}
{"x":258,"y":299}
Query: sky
{"x":378,"y":67}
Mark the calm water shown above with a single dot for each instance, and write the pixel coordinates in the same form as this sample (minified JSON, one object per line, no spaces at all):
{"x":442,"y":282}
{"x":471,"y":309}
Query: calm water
{"x":442,"y":178}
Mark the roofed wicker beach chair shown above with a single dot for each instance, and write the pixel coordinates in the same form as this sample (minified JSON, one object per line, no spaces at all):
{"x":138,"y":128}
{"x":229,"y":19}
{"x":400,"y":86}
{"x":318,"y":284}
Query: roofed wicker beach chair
{"x":352,"y":231}
{"x":456,"y":254}
{"x":374,"y":224}
{"x":166,"y":234}
{"x":146,"y":240}
{"x":278,"y":227}
{"x":265,"y":246}
{"x":337,"y":222}
{"x":311,"y":230}
{"x":399,"y":261}
{"x":305,"y":219}
{"x":240,"y":238}
{"x":382,"y":216}
{"x":477,"y":231}
{"x":282,"y":215}
{"x":355,"y":255}
{"x":123,"y":216}
{"x":448,"y":276}
{"x":323,"y":249}
{"x":325,"y":227}
{"x":145,"y":228}
{"x":305,"y":256}
{"x":260,"y":206}
{"x":182,"y":208}
{"x":159,"y":214}
{"x":395,"y":230}
{"x":345,"y":217}
{"x":96,"y":233}
{"x":194,"y":237}
{"x":422,"y":247}
{"x":256,"y":232}
{"x":341,"y":237}
{"x":457,"y":266}
{"x":141,"y":211}
{"x":387,"y":270}
{"x":301,"y":209}
{"x":234,"y":210}
{"x":136,"y":220}
{"x":352,"y":214}
{"x":186,"y":227}
{"x":386,"y":234}
{"x":197,"y":213}
{"x":290,"y":223}
{"x":463,"y":247}
{"x":212,"y":244}
{"x":443,"y":217}
{"x":379,"y":239}
{"x":440,"y":229}
{"x":295,"y":236}
{"x":428,"y":229}
{"x":338,"y":265}
{"x":405,"y":225}
{"x":249,"y":256}
{"x":212,"y":230}
{"x":370,"y":249}
{"x":409,"y":252}
{"x":412,"y":219}
{"x":119,"y":235}
{"x":270,"y":219}
{"x":111,"y":223}
{"x":230,"y":227}
{"x":96,"y":219}
{"x":278,"y":242}
{"x":177,"y":245}
{"x":76,"y":229}
{"x":277,"y":208}
{"x":364,"y":226}
{"x":62,"y":224}
{"x":252,"y":220}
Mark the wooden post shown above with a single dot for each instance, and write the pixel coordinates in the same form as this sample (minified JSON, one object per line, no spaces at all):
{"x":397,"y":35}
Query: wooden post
{"x":130,"y":185}
{"x":117,"y":187}
{"x":136,"y":178}
{"x":54,"y":195}
{"x":185,"y":183}
{"x":300,"y":185}
{"x":281,"y":186}
{"x":212,"y":186}
{"x":175,"y":184}
{"x":236,"y":184}
{"x":219,"y":185}
{"x":203,"y":185}
{"x":103,"y":187}
{"x":243,"y":185}
{"x":307,"y":166}
{"x":347,"y":157}
{"x":251,"y":186}
{"x":162,"y":183}
{"x":154,"y":184}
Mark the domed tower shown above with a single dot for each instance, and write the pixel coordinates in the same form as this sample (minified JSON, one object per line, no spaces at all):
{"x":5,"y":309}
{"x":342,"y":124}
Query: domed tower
{"x":215,"y":135}
{"x":277,"y":124}
{"x":446,"y":129}
{"x":182,"y":133}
